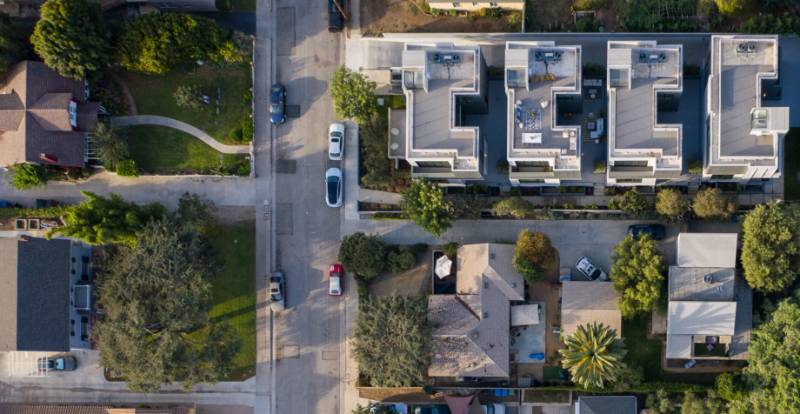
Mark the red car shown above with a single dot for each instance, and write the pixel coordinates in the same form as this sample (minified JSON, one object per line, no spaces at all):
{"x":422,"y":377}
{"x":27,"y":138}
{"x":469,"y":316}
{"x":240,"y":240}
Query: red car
{"x":335,"y":276}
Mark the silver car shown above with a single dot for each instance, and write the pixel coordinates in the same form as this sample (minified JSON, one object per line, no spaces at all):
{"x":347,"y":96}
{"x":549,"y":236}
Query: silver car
{"x":588,"y":269}
{"x":333,"y":187}
{"x":277,"y":301}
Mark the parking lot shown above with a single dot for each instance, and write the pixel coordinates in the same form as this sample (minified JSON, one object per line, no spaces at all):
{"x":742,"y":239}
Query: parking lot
{"x":23,"y":367}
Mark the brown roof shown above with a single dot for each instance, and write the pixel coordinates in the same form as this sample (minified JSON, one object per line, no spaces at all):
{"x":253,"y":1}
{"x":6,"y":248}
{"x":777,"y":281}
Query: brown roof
{"x":34,"y":117}
{"x":587,"y":302}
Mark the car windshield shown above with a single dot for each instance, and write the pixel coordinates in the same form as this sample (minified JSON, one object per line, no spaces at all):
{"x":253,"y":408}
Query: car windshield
{"x":336,"y":135}
{"x":595,"y":274}
{"x":274,"y":108}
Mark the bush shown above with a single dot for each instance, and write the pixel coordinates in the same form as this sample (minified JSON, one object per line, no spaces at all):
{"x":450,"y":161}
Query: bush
{"x":671,"y":204}
{"x":732,"y":7}
{"x":631,"y":203}
{"x":363,"y":254}
{"x":695,"y":167}
{"x":770,"y":246}
{"x":588,"y":5}
{"x":467,"y":206}
{"x":450,"y":250}
{"x":710,"y":203}
{"x":502,"y":166}
{"x":516,"y":207}
{"x":729,"y":386}
{"x":126,"y":168}
{"x":401,"y":260}
{"x":111,"y":143}
{"x":600,"y":167}
{"x":28,"y":176}
{"x":532,"y":254}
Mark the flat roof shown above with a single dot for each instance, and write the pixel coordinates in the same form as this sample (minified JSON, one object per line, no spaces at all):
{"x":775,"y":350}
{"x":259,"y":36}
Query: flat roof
{"x":536,"y":73}
{"x":701,"y":318}
{"x":701,"y":283}
{"x":637,"y":72}
{"x":587,"y":302}
{"x":707,"y":249}
{"x":433,"y":77}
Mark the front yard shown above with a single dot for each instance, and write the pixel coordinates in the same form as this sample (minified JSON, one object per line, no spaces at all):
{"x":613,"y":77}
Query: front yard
{"x":227,"y":87}
{"x":393,"y":16}
{"x":234,"y":291}
{"x":167,"y":151}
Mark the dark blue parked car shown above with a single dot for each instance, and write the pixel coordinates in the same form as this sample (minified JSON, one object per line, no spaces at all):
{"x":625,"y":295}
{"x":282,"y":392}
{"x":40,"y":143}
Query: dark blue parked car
{"x":655,"y":231}
{"x":277,"y":104}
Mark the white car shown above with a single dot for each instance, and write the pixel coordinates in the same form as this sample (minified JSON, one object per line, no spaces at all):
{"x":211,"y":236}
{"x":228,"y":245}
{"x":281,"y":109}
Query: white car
{"x":588,"y":269}
{"x":333,"y":187}
{"x":336,"y":141}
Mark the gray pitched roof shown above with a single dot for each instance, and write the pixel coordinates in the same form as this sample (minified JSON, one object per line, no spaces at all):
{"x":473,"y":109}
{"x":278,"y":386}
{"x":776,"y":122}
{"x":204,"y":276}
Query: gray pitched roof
{"x":612,"y":404}
{"x":34,"y":300}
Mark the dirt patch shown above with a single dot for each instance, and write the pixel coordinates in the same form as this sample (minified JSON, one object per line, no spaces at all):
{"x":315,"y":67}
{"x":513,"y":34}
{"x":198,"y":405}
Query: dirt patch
{"x":393,"y":16}
{"x":548,"y":291}
{"x":416,"y":281}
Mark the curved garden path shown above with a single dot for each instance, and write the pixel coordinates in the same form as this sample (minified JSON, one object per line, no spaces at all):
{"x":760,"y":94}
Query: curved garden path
{"x":181,"y":126}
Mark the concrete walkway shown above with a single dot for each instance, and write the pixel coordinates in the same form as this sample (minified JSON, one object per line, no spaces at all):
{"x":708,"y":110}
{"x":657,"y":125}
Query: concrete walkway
{"x":375,"y":196}
{"x":181,"y":126}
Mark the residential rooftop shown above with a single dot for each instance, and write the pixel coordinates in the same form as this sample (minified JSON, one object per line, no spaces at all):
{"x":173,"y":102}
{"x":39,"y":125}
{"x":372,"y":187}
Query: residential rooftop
{"x":439,"y":81}
{"x":589,"y":302}
{"x":742,"y":132}
{"x":536,"y":75}
{"x":638,"y":72}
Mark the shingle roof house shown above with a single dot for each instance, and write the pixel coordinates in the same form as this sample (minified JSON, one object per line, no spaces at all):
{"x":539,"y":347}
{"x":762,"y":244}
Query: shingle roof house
{"x":587,"y":302}
{"x":708,"y":304}
{"x":34,"y":295}
{"x":44,"y":117}
{"x":470,"y":335}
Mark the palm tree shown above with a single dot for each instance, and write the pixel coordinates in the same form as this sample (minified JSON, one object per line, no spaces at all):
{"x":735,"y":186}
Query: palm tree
{"x":593,"y":356}
{"x":111,"y":145}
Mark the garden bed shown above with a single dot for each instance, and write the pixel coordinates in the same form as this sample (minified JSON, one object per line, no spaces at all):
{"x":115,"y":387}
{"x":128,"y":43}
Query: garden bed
{"x":167,"y":151}
{"x":228,"y":88}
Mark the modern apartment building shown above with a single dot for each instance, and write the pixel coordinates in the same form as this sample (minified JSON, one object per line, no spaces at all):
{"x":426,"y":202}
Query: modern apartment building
{"x":744,"y":139}
{"x":643,"y":79}
{"x":543,"y":89}
{"x":442,"y":83}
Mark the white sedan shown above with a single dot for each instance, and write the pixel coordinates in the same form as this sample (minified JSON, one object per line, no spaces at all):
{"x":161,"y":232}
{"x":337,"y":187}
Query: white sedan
{"x":336,"y":141}
{"x":333,"y":187}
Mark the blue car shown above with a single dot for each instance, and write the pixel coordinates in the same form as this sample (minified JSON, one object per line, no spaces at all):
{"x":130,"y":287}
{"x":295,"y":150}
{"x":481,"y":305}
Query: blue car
{"x":277,"y":104}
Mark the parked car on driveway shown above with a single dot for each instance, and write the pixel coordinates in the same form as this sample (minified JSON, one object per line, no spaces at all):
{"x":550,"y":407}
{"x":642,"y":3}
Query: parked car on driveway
{"x":277,"y":104}
{"x":58,"y":363}
{"x":336,"y":141}
{"x":655,"y":231}
{"x":588,"y":269}
{"x":277,"y":286}
{"x":333,"y":187}
{"x":335,"y":276}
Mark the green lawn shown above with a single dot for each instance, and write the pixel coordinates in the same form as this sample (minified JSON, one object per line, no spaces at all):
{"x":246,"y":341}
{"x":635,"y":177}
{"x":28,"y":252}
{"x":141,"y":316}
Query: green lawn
{"x":232,"y":83}
{"x":162,"y":150}
{"x":642,"y":352}
{"x":791,"y":157}
{"x":234,"y":291}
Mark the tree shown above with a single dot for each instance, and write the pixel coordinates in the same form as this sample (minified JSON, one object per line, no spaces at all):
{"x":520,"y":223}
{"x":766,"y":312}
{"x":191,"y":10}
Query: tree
{"x":637,"y":273}
{"x":593,"y":356}
{"x":156,"y":43}
{"x":710,"y":403}
{"x":197,"y":212}
{"x":391,"y":340}
{"x":516,"y":207}
{"x":377,"y":167}
{"x":773,"y":370}
{"x":353,"y":95}
{"x":671,"y":204}
{"x":28,"y":176}
{"x":631,"y":203}
{"x":426,"y":205}
{"x":532,"y":255}
{"x":111,"y":144}
{"x":71,"y":38}
{"x":710,"y":203}
{"x":770,"y":249}
{"x":13,"y":43}
{"x":589,"y":4}
{"x":99,"y":220}
{"x":363,"y":254}
{"x":401,"y":260}
{"x":732,"y":7}
{"x":188,"y":96}
{"x":659,"y":403}
{"x":157,"y":296}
